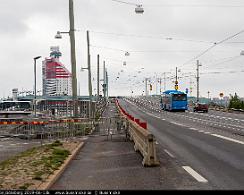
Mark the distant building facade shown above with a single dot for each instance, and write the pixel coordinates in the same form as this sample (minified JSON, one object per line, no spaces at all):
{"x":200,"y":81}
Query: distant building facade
{"x":57,"y":80}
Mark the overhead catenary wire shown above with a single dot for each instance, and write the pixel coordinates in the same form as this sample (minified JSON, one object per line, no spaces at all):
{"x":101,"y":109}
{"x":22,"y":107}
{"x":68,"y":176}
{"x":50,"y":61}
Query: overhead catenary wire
{"x":158,"y":36}
{"x":143,"y":51}
{"x":124,"y":2}
{"x":211,"y":47}
{"x":182,"y":5}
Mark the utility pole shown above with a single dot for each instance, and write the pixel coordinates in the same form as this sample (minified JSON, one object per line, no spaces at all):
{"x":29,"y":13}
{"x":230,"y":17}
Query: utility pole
{"x":198,"y":64}
{"x":98,"y":77}
{"x":73,"y":58}
{"x":160,"y":85}
{"x":104,"y":80}
{"x":208,"y":96}
{"x":164,"y":81}
{"x":176,"y":75}
{"x":89,"y":72}
{"x":191,"y":87}
{"x":146,"y":92}
{"x":176,"y":81}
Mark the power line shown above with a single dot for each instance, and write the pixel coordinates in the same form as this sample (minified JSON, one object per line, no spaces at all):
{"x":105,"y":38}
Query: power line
{"x":211,"y":47}
{"x":228,"y":60}
{"x":143,"y":51}
{"x":151,"y":37}
{"x":193,"y":5}
{"x":124,"y":2}
{"x":182,"y":5}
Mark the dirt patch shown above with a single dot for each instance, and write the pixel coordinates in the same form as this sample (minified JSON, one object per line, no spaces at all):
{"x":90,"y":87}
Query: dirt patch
{"x":31,"y":168}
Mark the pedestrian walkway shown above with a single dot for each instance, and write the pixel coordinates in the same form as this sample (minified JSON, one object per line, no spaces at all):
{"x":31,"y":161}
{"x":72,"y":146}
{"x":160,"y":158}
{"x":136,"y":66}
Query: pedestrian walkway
{"x":112,"y":164}
{"x":105,"y":163}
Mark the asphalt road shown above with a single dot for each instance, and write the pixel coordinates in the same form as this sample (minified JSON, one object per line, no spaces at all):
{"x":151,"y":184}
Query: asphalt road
{"x":10,"y":147}
{"x":208,"y":146}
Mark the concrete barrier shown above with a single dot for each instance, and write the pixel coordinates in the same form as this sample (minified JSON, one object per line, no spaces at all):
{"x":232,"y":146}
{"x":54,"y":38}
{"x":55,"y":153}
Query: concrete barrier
{"x":144,"y":141}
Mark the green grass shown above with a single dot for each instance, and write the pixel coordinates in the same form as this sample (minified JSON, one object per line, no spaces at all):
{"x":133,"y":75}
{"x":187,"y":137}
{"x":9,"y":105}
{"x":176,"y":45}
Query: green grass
{"x":50,"y":158}
{"x":25,"y":186}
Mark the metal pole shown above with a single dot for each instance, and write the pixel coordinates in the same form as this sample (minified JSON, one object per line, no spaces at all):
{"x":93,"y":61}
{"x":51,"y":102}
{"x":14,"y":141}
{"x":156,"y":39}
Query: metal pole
{"x":176,"y":75}
{"x":146,"y":92}
{"x":104,"y":79}
{"x":98,"y":74}
{"x":73,"y":58}
{"x":107,"y":83}
{"x":198,"y":80}
{"x":160,"y":85}
{"x":35,"y":87}
{"x":89,"y":72}
{"x":164,"y":81}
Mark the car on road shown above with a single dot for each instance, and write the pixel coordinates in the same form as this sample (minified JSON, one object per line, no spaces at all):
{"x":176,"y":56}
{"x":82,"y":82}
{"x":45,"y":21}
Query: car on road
{"x":200,"y":107}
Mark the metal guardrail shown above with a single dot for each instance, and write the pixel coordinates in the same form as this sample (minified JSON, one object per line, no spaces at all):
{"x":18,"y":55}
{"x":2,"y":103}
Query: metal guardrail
{"x":144,"y":140}
{"x":52,"y":129}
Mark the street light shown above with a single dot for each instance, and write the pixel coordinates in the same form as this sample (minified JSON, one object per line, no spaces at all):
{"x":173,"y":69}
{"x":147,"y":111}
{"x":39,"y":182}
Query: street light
{"x":139,"y":9}
{"x":59,"y":36}
{"x":35,"y":83}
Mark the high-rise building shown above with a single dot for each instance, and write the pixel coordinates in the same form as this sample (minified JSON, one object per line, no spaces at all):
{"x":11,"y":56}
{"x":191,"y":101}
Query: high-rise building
{"x":57,"y":80}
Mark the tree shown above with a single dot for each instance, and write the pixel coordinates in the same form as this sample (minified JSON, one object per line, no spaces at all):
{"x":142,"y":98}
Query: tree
{"x":235,"y":102}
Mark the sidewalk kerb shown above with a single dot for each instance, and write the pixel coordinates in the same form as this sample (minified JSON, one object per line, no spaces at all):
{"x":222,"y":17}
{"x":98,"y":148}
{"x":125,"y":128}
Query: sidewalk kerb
{"x":54,"y":177}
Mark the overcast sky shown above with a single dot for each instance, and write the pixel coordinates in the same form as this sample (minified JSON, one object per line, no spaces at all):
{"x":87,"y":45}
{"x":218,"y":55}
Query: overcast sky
{"x":167,"y":35}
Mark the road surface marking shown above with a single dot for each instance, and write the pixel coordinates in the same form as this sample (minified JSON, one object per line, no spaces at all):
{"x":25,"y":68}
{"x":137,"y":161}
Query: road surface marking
{"x":25,"y":143}
{"x":12,"y":144}
{"x":206,"y":132}
{"x":193,"y":129}
{"x":171,"y":155}
{"x":156,"y":143}
{"x":194,"y":174}
{"x":1,"y":145}
{"x":227,"y":138}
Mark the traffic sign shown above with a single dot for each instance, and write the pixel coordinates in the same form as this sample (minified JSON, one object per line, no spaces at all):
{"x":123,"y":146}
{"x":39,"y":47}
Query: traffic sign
{"x":221,"y":94}
{"x":176,"y":82}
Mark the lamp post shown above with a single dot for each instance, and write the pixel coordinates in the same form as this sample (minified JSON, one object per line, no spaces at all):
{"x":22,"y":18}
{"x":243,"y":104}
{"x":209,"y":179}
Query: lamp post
{"x":73,"y":57}
{"x":35,"y":83}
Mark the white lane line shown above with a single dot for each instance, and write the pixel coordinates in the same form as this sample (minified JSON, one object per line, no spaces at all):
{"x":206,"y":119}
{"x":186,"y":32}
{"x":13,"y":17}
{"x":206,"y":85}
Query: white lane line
{"x":194,"y":174}
{"x":12,"y":144}
{"x":192,"y":128}
{"x":25,"y":143}
{"x":171,"y":155}
{"x":227,"y":138}
{"x":1,"y":145}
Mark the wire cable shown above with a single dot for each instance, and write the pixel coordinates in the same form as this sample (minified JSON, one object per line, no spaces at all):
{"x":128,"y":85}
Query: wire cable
{"x":214,"y":45}
{"x":124,"y":2}
{"x":151,"y":37}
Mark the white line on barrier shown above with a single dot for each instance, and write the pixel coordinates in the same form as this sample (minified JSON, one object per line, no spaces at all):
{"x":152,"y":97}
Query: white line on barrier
{"x":194,"y":174}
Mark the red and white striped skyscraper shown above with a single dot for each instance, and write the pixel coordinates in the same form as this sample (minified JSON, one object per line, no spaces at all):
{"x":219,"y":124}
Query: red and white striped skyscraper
{"x":57,"y":80}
